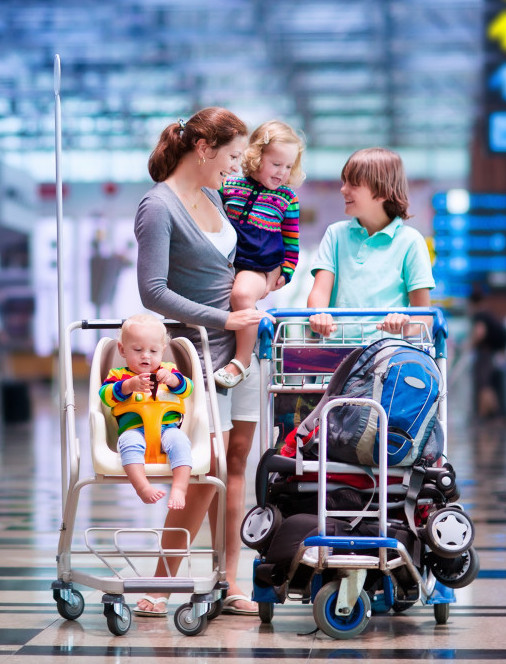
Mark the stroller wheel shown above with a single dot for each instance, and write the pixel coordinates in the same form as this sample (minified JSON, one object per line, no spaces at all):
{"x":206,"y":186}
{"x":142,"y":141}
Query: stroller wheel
{"x":449,"y":532}
{"x":259,"y":525}
{"x":455,"y":572}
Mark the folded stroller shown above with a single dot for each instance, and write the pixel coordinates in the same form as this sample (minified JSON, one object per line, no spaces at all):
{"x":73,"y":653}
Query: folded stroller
{"x":350,"y":538}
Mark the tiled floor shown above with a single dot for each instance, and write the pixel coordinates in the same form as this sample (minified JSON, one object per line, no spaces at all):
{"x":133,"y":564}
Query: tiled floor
{"x":31,"y":630}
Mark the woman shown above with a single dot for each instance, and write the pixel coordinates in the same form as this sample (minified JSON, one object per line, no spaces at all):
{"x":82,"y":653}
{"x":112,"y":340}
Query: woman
{"x":185,"y":271}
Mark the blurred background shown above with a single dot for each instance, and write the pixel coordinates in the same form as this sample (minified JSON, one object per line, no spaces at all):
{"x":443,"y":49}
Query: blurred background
{"x":426,"y":78}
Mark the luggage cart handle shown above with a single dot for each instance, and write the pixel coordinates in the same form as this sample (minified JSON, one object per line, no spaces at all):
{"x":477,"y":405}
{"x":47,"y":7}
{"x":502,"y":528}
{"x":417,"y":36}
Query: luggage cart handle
{"x":439,"y":326}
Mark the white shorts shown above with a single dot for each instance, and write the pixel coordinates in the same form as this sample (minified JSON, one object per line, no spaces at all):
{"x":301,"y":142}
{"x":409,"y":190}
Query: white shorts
{"x":240,"y":403}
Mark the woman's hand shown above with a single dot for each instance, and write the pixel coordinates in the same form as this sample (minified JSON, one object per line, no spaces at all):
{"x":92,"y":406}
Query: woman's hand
{"x":238,"y":320}
{"x":322,"y":324}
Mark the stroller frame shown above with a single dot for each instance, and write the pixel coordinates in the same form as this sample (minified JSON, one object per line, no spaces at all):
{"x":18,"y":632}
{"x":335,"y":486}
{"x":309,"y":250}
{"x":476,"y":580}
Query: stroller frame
{"x":342,"y":609}
{"x":207,"y":592}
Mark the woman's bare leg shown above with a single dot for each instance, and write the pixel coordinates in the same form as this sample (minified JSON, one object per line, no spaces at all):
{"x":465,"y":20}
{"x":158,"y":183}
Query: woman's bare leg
{"x":198,"y":500}
{"x":241,"y":438}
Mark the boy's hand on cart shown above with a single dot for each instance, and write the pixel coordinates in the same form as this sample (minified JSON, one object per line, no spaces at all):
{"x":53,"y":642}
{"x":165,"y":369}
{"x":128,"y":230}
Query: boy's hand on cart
{"x":393,"y":323}
{"x":238,"y":320}
{"x":322,"y":324}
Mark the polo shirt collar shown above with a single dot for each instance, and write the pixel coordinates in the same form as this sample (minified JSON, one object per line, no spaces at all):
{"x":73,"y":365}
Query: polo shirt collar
{"x":388,"y":230}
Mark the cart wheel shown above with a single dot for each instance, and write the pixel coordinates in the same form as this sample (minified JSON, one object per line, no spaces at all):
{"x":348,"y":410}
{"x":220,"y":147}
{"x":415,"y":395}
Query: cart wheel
{"x":259,"y":525}
{"x":266,"y":612}
{"x":215,"y":610}
{"x":441,"y":613}
{"x":340,"y":627}
{"x":70,"y":610}
{"x":185,"y":622}
{"x":455,"y":572}
{"x":118,"y":624}
{"x":450,"y":532}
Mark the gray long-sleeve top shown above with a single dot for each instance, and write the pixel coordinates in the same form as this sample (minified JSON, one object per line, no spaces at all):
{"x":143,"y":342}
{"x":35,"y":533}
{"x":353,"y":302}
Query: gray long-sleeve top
{"x":180,"y":273}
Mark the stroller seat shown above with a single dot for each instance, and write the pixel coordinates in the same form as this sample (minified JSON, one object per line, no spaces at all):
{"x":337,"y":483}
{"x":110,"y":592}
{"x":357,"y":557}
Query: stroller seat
{"x":104,"y":428}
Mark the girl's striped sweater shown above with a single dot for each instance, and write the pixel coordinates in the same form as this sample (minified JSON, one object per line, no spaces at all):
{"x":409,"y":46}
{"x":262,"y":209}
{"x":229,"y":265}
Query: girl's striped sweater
{"x":267,"y":225}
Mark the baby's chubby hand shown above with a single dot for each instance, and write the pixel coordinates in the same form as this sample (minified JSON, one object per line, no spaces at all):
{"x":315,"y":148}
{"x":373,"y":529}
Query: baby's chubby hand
{"x":167,"y":377}
{"x":139,"y":383}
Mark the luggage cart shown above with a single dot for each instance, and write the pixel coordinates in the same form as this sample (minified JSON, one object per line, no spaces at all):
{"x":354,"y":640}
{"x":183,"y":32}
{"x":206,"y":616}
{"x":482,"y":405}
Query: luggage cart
{"x":119,"y":549}
{"x":296,"y":367}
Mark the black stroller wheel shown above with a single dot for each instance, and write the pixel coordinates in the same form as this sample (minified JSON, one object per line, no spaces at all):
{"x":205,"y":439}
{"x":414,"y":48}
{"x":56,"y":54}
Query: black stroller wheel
{"x":259,"y":525}
{"x":455,"y":572}
{"x":449,"y":532}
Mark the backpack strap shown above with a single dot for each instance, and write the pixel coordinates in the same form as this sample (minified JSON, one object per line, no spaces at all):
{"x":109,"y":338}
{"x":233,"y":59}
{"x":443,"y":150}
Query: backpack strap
{"x":415,"y":484}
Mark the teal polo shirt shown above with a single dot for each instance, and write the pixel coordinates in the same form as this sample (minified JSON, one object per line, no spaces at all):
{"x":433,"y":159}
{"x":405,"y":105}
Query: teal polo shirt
{"x":374,"y":271}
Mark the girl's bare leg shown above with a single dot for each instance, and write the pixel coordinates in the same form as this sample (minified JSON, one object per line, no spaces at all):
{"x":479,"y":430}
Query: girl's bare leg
{"x":249,"y":287}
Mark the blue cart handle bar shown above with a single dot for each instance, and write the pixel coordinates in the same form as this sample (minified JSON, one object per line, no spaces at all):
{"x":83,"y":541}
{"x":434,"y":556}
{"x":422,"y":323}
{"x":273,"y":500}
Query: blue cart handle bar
{"x":439,"y":326}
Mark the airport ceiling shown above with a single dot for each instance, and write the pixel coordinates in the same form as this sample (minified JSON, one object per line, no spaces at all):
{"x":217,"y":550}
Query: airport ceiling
{"x":349,"y":73}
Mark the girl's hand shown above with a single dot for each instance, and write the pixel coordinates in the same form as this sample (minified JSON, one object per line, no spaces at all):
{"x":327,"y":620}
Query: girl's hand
{"x":393,"y":323}
{"x":238,"y":320}
{"x":322,"y":324}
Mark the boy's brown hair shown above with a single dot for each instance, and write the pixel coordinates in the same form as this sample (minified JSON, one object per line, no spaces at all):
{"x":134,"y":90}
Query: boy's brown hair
{"x":383,"y":172}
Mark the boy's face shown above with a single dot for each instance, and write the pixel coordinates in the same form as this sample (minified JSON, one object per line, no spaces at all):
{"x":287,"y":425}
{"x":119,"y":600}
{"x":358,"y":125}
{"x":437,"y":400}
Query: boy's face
{"x":359,"y":202}
{"x":142,"y":348}
{"x":276,"y":165}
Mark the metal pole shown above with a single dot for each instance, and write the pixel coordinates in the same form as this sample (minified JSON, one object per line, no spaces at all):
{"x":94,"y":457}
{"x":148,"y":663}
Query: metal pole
{"x":59,"y":254}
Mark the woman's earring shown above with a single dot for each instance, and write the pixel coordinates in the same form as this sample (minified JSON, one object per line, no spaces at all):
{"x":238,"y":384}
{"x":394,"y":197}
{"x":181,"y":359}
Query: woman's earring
{"x":202,"y":161}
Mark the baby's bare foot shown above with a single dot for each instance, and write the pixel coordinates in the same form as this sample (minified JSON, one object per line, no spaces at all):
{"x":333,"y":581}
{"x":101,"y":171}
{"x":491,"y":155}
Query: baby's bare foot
{"x":177,"y":499}
{"x":150,"y":494}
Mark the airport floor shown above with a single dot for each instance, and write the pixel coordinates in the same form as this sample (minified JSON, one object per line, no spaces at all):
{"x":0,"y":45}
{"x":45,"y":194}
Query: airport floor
{"x":32,"y":631}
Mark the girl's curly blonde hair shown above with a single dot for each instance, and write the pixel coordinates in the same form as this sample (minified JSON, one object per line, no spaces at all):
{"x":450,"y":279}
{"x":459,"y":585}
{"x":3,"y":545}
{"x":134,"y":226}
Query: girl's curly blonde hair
{"x":266,"y":134}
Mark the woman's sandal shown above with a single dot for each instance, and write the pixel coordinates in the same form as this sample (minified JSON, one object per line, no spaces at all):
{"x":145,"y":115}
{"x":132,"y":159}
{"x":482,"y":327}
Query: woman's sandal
{"x":151,"y":612}
{"x":226,"y":379}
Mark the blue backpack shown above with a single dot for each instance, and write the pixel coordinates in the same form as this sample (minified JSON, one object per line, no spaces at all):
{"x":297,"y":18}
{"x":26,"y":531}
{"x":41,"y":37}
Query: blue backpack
{"x":406,"y":381}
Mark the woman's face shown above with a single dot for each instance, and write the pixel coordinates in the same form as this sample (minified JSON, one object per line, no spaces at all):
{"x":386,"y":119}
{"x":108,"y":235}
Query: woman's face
{"x":222,"y":162}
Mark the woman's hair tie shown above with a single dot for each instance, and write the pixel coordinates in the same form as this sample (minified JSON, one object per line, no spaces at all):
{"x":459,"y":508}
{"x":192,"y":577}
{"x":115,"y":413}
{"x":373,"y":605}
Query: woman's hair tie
{"x":182,"y":124}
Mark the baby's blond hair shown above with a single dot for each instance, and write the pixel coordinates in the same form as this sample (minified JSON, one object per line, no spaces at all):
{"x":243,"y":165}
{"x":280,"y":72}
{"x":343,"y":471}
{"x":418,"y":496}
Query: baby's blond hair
{"x":144,"y":319}
{"x":266,"y":134}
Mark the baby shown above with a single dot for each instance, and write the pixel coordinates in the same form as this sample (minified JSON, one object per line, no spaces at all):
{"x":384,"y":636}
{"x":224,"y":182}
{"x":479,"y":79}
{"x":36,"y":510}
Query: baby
{"x":143,"y":339}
